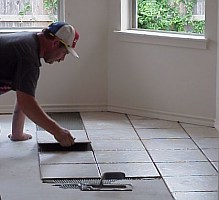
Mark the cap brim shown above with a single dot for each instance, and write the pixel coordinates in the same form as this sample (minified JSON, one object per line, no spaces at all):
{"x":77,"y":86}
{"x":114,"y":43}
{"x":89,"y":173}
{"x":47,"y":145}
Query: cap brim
{"x":73,"y":52}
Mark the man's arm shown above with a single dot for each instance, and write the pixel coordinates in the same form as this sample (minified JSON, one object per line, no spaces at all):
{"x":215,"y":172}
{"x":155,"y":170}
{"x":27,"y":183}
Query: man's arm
{"x":18,"y":125}
{"x":32,"y":110}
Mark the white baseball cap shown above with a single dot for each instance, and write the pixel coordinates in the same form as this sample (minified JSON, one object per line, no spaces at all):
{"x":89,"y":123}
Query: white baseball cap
{"x":67,"y":35}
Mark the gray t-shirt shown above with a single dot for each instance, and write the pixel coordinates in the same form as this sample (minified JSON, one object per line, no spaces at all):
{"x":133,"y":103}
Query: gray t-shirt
{"x":19,"y":62}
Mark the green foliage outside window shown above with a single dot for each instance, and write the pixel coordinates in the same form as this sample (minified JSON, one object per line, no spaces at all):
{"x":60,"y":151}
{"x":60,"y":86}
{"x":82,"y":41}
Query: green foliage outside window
{"x":163,"y":15}
{"x":51,"y":6}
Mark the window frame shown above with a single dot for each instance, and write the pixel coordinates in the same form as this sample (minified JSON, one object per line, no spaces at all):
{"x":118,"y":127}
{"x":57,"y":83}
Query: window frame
{"x":129,"y":34}
{"x":61,"y":17}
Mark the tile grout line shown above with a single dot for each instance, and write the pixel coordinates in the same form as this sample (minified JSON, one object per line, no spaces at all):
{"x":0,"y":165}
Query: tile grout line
{"x":151,"y":158}
{"x":199,"y":148}
{"x":95,"y":158}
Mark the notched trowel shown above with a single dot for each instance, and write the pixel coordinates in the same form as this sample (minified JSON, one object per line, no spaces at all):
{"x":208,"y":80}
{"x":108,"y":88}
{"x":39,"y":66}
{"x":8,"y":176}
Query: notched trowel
{"x":111,"y":186}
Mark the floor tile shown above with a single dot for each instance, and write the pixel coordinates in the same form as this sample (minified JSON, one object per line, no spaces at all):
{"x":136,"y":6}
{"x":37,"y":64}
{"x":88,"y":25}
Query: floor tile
{"x":196,"y":195}
{"x":69,"y":171}
{"x":162,"y":144}
{"x":192,"y":183}
{"x":68,"y":120}
{"x":186,"y":169}
{"x":177,"y":155}
{"x":45,"y":137}
{"x":117,"y":145}
{"x":66,"y":157}
{"x":154,"y":123}
{"x":189,"y":125}
{"x":105,"y":116}
{"x":161,"y":133}
{"x":202,"y":132}
{"x":134,"y":117}
{"x":122,"y":156}
{"x":215,"y":165}
{"x":131,"y":169}
{"x":115,"y":134}
{"x":212,"y":154}
{"x":110,"y":124}
{"x":207,"y":143}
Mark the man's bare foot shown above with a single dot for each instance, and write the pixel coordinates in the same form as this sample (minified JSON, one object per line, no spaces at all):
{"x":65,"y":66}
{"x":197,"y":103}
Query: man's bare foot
{"x":23,"y":137}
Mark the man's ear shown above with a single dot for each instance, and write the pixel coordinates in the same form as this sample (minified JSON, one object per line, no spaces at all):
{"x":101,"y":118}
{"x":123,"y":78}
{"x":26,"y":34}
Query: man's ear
{"x":56,"y":42}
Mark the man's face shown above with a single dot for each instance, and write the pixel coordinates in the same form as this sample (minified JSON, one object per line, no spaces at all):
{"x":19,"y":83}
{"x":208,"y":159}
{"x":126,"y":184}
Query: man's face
{"x":56,"y":53}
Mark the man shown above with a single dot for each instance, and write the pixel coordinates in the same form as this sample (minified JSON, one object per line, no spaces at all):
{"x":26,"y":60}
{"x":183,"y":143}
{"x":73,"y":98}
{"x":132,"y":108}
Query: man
{"x":20,"y":55}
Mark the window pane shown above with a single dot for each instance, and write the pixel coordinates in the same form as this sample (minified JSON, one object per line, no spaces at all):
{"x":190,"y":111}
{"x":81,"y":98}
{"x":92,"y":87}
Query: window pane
{"x":186,"y":16}
{"x":27,"y":13}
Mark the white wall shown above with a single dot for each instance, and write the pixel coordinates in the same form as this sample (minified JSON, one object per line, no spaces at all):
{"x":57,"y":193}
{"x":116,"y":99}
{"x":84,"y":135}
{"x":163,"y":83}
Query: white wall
{"x":152,"y":80}
{"x":162,"y":81}
{"x":76,"y":84}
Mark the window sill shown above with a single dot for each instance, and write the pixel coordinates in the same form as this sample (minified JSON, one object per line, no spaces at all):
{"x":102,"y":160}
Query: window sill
{"x":14,"y":30}
{"x":162,"y":38}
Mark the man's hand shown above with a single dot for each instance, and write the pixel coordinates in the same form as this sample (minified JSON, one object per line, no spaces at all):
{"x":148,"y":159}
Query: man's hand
{"x":65,"y":138}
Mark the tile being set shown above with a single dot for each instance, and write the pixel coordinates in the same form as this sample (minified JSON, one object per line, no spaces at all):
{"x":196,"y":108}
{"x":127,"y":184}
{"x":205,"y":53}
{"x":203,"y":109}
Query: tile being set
{"x":45,"y":137}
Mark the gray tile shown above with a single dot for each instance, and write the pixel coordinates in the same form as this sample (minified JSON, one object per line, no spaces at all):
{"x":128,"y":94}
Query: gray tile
{"x":117,"y":145}
{"x":134,"y":117}
{"x":110,"y":134}
{"x":66,"y":157}
{"x":207,"y":143}
{"x":131,"y":169}
{"x":69,"y":120}
{"x":162,"y":133}
{"x":164,"y":144}
{"x":215,"y":165}
{"x":196,"y":195}
{"x":107,"y":124}
{"x":69,"y":171}
{"x":104,"y":116}
{"x":105,"y":120}
{"x":177,"y":155}
{"x":212,"y":154}
{"x":154,"y":123}
{"x":186,"y":169}
{"x":202,"y":132}
{"x":192,"y":183}
{"x":45,"y":137}
{"x":189,"y":125}
{"x":121,"y":156}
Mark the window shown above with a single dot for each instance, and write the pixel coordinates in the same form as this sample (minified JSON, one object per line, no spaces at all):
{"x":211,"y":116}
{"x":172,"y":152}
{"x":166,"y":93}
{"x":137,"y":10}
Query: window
{"x":184,"y":16}
{"x":29,"y":13}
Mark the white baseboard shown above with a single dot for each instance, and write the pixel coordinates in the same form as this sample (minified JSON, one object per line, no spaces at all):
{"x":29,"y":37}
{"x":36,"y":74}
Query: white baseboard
{"x":216,"y":125}
{"x":163,"y":115}
{"x":73,"y":108}
{"x":60,"y":108}
{"x":126,"y":110}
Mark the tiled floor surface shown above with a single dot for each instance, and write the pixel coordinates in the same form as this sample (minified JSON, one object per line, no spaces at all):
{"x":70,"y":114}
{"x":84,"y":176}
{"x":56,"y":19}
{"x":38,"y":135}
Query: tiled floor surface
{"x":184,"y":155}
